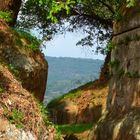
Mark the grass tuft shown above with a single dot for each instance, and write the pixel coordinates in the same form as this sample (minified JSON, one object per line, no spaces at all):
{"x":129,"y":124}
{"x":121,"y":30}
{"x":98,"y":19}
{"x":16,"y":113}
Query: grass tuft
{"x":74,"y":128}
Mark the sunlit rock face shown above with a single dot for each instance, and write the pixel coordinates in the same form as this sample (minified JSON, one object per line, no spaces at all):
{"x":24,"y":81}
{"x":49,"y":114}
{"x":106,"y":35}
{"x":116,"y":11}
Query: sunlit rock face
{"x":122,"y":118}
{"x":30,"y":67}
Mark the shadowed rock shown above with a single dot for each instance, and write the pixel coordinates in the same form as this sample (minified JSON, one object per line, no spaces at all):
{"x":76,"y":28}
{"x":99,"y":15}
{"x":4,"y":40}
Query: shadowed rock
{"x":122,"y":118}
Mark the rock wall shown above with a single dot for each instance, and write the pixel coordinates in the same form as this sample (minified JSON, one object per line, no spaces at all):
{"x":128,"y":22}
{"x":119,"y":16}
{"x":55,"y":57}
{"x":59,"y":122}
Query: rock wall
{"x":29,"y":66}
{"x":122,"y":118}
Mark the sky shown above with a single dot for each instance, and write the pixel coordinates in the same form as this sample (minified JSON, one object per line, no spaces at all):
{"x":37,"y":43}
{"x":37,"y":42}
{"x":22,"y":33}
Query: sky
{"x":65,"y":46}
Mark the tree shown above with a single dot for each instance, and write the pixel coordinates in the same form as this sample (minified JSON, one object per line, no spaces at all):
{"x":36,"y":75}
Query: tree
{"x":95,"y":17}
{"x":92,"y":14}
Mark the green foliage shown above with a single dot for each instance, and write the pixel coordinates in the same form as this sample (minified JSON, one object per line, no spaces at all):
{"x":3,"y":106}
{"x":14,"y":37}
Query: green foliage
{"x":110,"y":46}
{"x":34,"y":43}
{"x":74,"y":128}
{"x":95,"y":17}
{"x":58,"y":135}
{"x":15,"y":117}
{"x":1,"y":89}
{"x":114,"y":63}
{"x":33,"y":47}
{"x":5,"y":16}
{"x":117,"y":16}
{"x":72,"y":94}
{"x":127,"y":39}
{"x":134,"y":74}
{"x":44,"y":113}
{"x":12,"y":68}
{"x":131,"y":3}
{"x":121,"y":72}
{"x":50,"y":17}
{"x":57,"y":7}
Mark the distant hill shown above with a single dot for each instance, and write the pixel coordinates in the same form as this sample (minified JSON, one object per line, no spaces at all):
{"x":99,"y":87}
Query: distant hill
{"x":68,"y":73}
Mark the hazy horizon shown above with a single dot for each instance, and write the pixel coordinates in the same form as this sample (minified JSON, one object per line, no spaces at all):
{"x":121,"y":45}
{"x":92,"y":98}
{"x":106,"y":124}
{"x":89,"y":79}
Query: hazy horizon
{"x":73,"y":57}
{"x":65,"y":46}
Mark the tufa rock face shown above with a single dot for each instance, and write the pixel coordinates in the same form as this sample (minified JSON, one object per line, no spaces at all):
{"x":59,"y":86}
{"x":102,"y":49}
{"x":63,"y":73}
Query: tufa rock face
{"x":122,"y":119}
{"x":29,"y":66}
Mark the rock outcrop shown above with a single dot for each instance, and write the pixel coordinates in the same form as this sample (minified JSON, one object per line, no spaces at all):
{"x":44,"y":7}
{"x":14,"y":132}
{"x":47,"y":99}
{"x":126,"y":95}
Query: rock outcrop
{"x":18,"y":109}
{"x":22,"y":70}
{"x":30,"y":66}
{"x":10,"y":132}
{"x":122,"y":118}
{"x":83,"y":105}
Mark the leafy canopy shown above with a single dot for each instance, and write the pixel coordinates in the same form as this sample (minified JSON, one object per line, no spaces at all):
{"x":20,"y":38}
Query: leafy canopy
{"x":94,"y":17}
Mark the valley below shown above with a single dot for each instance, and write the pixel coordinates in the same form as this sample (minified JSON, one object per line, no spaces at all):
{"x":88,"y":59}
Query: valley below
{"x":65,"y":74}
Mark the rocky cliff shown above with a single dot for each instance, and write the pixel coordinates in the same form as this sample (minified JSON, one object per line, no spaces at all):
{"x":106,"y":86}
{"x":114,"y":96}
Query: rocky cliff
{"x":29,"y":65}
{"x":22,"y":69}
{"x":122,"y":118}
{"x":18,"y":109}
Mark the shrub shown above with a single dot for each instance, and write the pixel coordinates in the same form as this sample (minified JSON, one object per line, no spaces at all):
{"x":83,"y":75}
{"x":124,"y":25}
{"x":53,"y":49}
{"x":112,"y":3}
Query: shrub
{"x":13,"y":69}
{"x":5,"y":16}
{"x":114,"y":63}
{"x":15,"y":117}
{"x":33,"y":42}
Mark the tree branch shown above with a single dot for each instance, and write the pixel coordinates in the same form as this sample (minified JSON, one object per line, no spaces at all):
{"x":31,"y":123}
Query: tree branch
{"x":94,"y":17}
{"x":110,"y":8}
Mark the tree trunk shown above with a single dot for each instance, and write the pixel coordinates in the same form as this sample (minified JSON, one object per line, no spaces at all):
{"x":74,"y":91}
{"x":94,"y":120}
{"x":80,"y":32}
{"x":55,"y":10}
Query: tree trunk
{"x":12,"y":6}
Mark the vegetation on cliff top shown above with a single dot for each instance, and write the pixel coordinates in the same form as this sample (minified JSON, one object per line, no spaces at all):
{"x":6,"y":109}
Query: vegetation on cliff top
{"x":75,"y":93}
{"x":70,"y":95}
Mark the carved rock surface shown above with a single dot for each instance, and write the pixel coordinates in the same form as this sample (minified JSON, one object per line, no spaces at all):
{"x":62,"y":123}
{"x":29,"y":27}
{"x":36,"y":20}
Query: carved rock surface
{"x":122,"y":118}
